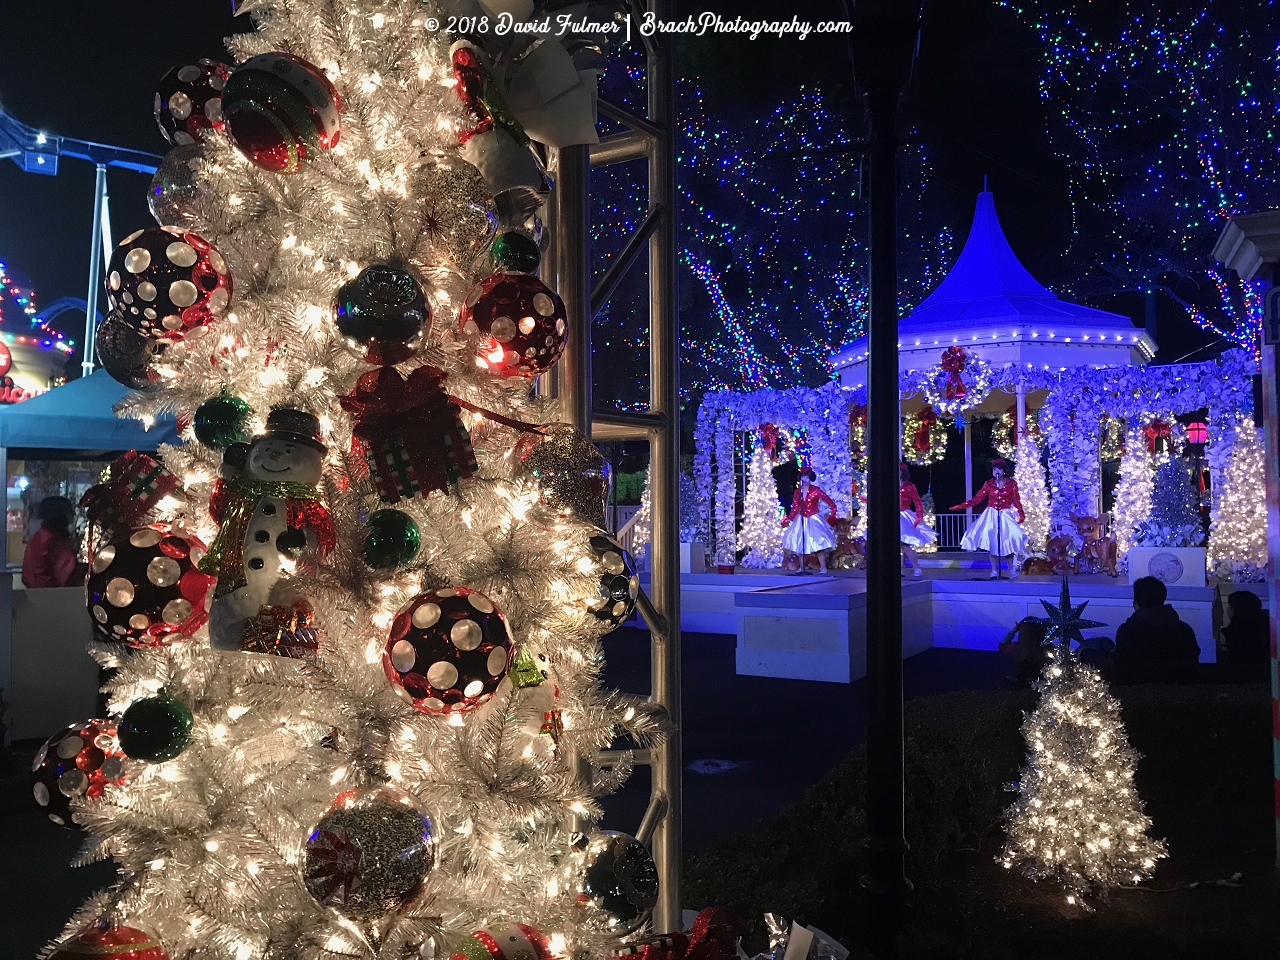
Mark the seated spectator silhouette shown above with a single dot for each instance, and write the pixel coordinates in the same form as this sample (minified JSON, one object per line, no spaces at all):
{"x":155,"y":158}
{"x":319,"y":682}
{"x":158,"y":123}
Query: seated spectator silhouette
{"x":1153,"y":645}
{"x":1246,"y":651}
{"x":1099,"y":653}
{"x":1025,"y":643}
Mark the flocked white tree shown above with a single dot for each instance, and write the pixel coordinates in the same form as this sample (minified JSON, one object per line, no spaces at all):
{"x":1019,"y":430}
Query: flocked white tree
{"x":213,"y":844}
{"x":761,"y":532}
{"x":1133,"y":492}
{"x":1078,"y":820}
{"x":1238,"y":531}
{"x":1028,"y":472}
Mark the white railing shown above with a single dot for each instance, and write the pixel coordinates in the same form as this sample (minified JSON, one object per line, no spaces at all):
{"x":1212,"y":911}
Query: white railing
{"x":951,"y":528}
{"x":626,"y":534}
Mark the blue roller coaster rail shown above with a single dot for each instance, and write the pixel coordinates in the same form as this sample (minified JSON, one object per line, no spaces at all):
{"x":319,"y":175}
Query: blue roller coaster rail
{"x":38,"y":152}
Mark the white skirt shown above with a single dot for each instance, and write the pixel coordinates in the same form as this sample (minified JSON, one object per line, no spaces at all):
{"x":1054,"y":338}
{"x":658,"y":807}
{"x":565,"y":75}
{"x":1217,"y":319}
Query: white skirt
{"x":997,"y":532}
{"x":912,"y":535}
{"x":808,"y":535}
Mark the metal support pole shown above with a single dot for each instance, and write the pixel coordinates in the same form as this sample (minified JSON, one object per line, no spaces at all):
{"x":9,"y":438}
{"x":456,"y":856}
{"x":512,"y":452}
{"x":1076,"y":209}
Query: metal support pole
{"x":664,"y":400}
{"x":573,"y":282}
{"x":95,"y":270}
{"x":886,"y":880}
{"x":968,"y":471}
{"x":1021,"y":424}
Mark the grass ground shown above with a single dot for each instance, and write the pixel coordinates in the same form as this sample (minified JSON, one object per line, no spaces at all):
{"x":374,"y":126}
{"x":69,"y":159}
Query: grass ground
{"x":1206,"y":777}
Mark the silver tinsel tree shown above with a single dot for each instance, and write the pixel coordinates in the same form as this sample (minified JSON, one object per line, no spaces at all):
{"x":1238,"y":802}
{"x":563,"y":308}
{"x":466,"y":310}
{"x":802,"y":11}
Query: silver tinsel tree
{"x":1078,"y":820}
{"x":212,"y":844}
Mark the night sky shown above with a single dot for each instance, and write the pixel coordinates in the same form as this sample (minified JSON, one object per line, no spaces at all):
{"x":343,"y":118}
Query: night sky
{"x":86,"y":69}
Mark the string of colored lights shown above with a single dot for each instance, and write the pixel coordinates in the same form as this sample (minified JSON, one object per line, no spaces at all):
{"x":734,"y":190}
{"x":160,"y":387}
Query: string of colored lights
{"x":772,"y":228}
{"x":1166,"y":119}
{"x":20,"y":299}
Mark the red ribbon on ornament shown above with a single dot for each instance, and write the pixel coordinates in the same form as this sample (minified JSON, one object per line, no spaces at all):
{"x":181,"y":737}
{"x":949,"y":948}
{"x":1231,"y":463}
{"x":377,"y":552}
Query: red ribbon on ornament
{"x":714,"y":937}
{"x":1154,"y":431}
{"x":410,"y":430}
{"x":953,"y":363}
{"x":920,"y":439}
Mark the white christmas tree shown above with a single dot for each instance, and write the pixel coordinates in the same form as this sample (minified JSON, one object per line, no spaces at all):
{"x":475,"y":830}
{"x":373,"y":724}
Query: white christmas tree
{"x":931,"y":521}
{"x":1028,"y":472}
{"x":1078,"y":819}
{"x":1133,"y":492}
{"x":761,"y":530}
{"x":407,"y":617}
{"x":1238,"y":532}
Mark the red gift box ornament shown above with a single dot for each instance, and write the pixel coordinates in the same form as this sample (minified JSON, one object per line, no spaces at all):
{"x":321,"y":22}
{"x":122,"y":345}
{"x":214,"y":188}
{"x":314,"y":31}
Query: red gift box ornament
{"x":714,"y":937}
{"x":135,"y":485}
{"x":410,"y":432}
{"x":953,"y":363}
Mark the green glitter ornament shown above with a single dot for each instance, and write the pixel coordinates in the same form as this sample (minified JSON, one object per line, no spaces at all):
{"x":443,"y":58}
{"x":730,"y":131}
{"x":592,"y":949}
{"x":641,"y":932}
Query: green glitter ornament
{"x":515,"y":252}
{"x":392,"y":541}
{"x":155,"y":729}
{"x":221,"y":421}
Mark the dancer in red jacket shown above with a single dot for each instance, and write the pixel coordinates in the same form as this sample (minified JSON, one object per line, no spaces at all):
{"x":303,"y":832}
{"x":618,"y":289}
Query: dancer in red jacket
{"x":911,"y":527}
{"x":807,"y":532}
{"x":999,"y":529}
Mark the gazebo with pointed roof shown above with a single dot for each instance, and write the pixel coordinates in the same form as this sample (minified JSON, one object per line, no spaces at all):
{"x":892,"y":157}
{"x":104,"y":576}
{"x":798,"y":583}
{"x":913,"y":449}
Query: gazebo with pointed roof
{"x":990,"y":305}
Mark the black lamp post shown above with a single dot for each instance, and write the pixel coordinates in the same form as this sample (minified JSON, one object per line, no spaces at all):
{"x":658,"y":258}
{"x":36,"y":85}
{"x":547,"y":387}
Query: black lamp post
{"x":885,"y":37}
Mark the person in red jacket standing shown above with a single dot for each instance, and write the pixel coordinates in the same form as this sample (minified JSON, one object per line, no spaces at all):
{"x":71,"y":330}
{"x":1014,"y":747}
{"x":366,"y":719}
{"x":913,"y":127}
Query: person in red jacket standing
{"x":50,"y":560}
{"x":911,"y":529}
{"x":806,"y":532}
{"x":999,"y":529}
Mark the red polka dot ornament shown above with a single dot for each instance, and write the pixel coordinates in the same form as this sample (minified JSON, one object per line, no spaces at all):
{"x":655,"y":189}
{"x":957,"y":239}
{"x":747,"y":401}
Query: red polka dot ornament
{"x":517,"y":324}
{"x":81,"y":760}
{"x":167,"y":283}
{"x":448,"y":650}
{"x":144,"y":589}
{"x":189,"y":101}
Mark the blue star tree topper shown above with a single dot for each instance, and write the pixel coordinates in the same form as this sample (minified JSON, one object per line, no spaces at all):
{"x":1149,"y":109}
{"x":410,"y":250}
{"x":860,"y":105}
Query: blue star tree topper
{"x":1064,"y":621}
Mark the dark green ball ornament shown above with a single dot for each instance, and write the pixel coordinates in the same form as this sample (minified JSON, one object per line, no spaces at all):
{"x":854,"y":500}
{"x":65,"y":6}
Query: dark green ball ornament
{"x":515,"y":252}
{"x":155,"y":729}
{"x":392,"y":541}
{"x":222,"y":421}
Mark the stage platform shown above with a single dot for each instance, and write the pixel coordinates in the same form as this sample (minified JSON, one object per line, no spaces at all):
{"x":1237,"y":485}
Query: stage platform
{"x":812,"y":627}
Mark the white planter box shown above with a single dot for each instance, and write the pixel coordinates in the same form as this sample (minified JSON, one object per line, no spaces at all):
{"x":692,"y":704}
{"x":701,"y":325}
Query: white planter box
{"x":693,"y":558}
{"x":1175,"y":566}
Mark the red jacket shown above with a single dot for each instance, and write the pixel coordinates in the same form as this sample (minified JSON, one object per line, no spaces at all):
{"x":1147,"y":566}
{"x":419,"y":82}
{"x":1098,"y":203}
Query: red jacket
{"x":1001,"y":497}
{"x":50,"y":560}
{"x":808,"y":506}
{"x":909,"y":499}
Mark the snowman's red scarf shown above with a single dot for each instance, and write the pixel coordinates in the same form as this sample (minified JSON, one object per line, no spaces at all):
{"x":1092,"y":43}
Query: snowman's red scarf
{"x":232,"y":506}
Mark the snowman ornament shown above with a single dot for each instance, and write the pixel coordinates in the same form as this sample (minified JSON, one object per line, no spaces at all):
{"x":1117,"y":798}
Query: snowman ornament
{"x":270,"y":516}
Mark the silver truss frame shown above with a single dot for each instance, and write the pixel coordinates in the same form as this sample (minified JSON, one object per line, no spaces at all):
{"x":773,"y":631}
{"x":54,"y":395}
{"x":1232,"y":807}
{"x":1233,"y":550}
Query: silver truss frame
{"x":568,"y":261}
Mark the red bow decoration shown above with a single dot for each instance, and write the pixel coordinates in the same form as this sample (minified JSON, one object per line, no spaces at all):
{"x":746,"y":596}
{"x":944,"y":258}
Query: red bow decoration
{"x":714,"y":937}
{"x":410,"y":431}
{"x":770,"y":435}
{"x":953,"y":363}
{"x":135,"y":483}
{"x":1155,"y":431}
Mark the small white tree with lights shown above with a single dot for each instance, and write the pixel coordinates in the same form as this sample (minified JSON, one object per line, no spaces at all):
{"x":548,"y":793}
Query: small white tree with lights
{"x":1029,"y":475}
{"x":1238,"y":533}
{"x":1133,"y":492}
{"x":1078,"y":819}
{"x":761,"y":514}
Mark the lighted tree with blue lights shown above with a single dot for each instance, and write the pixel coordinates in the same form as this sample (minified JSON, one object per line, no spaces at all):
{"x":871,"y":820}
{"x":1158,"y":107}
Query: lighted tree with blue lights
{"x":772,"y":244}
{"x":1166,"y":118}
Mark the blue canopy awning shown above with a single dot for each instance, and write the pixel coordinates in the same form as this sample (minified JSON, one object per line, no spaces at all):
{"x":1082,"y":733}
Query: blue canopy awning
{"x":78,"y":416}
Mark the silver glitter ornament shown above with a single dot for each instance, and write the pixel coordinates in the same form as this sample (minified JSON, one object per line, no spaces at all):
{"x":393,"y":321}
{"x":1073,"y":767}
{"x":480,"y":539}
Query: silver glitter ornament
{"x":570,"y":472}
{"x":454,"y":209}
{"x":620,"y":879}
{"x":369,"y":856}
{"x":174,"y":188}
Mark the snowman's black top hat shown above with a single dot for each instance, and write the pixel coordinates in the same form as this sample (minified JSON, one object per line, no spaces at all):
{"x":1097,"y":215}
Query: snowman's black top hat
{"x":296,"y":426}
